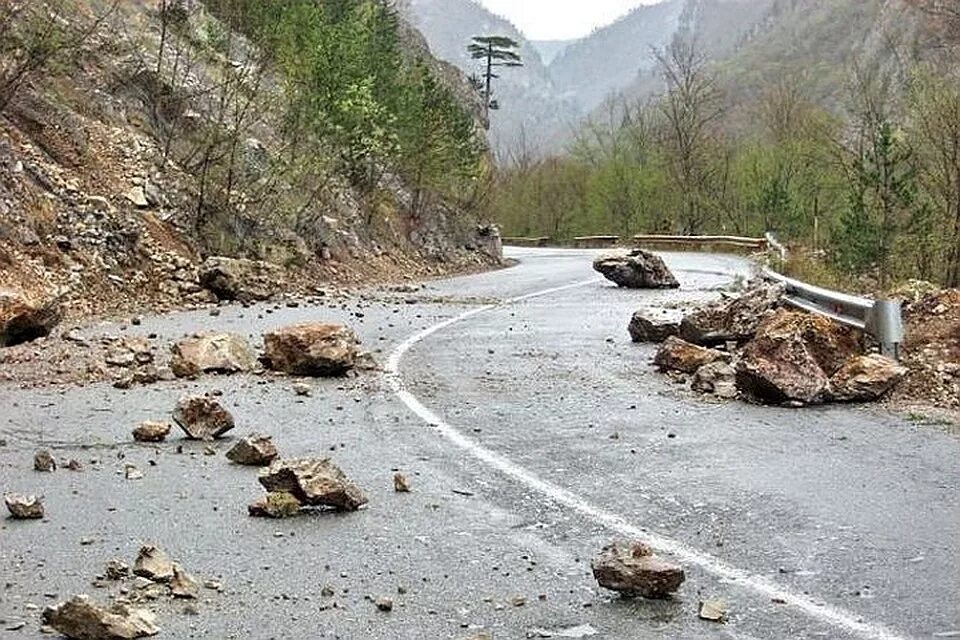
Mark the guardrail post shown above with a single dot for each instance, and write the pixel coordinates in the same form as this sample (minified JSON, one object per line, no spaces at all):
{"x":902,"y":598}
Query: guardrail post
{"x":886,"y":325}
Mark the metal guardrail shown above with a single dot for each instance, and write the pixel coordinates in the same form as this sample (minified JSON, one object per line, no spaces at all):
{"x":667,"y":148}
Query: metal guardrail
{"x":881,"y":319}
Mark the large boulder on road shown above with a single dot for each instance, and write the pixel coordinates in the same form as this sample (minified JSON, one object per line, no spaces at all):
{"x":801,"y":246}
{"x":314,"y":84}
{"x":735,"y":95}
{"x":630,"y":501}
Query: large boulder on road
{"x":240,"y":279}
{"x":637,"y":269}
{"x":866,"y":378}
{"x":793,"y":356}
{"x":733,"y":320}
{"x":678,"y":355}
{"x":23,"y":320}
{"x":219,"y":353}
{"x":643,"y":328}
{"x":313,"y":349}
{"x":83,"y":619}
{"x":314,"y":482}
{"x":633,"y":570}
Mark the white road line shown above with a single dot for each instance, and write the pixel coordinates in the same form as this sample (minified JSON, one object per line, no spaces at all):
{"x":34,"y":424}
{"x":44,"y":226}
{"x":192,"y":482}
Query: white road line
{"x":834,"y":616}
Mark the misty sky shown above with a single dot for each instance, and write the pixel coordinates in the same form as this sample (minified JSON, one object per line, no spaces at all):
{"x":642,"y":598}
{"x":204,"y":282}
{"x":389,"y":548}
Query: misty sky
{"x":561,"y":19}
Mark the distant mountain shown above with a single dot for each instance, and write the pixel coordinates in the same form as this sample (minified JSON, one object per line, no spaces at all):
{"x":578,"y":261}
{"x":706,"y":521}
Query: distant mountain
{"x":550,"y":49}
{"x":533,"y":113}
{"x":611,"y":58}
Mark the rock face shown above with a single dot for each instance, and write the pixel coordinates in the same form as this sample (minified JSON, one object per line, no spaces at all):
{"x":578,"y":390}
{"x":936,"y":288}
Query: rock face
{"x":866,"y":378}
{"x":202,"y":418}
{"x":83,"y":619}
{"x":717,"y":378}
{"x":23,"y":507}
{"x":277,"y":505}
{"x":22,"y":320}
{"x":254,"y":451}
{"x":678,"y":355}
{"x":153,"y":564}
{"x":735,"y":320}
{"x":151,"y":432}
{"x":633,"y":570}
{"x":238,"y":279}
{"x":636,"y":270}
{"x":645,"y":329}
{"x":220,"y":353}
{"x":313,"y":482}
{"x":311,"y":349}
{"x":793,"y":356}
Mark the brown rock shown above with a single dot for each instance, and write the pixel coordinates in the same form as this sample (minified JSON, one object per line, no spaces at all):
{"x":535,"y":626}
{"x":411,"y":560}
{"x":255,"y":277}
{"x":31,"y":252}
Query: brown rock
{"x":44,"y":462}
{"x":23,"y":320}
{"x":713,"y":611}
{"x":277,"y":505}
{"x":678,"y":355}
{"x":633,"y":570}
{"x":734,"y":320}
{"x":314,"y":482}
{"x":220,"y":353}
{"x":202,"y":418}
{"x":793,"y":356}
{"x":311,"y":350}
{"x":637,"y":269}
{"x":151,"y":432}
{"x":255,"y":451}
{"x":153,"y":564}
{"x":241,"y":280}
{"x":645,"y":329}
{"x":23,"y":507}
{"x":866,"y":378}
{"x":400,"y":483}
{"x":82,"y":619}
{"x":183,"y":585}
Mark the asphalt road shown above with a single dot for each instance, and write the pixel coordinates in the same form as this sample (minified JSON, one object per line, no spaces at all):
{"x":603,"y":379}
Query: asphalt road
{"x":533,"y":432}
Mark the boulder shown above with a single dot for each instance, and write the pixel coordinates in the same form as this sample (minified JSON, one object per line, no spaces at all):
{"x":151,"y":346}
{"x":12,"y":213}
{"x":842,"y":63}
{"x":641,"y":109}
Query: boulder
{"x":253,"y":451}
{"x":240,"y":279}
{"x":866,"y":378}
{"x":23,"y":507}
{"x":678,"y":355}
{"x":717,"y":378}
{"x":277,"y":505}
{"x":202,"y":418}
{"x":734,"y":320}
{"x":632,"y":570}
{"x":645,"y":329}
{"x":151,"y":432}
{"x":82,"y":619}
{"x":313,"y":349}
{"x":214,"y":353}
{"x":23,"y":320}
{"x":314,"y":482}
{"x":636,"y":270}
{"x":153,"y":564}
{"x":793,"y":356}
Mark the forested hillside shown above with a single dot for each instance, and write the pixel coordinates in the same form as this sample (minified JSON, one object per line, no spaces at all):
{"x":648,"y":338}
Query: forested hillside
{"x":834,"y":123}
{"x":138,"y":138}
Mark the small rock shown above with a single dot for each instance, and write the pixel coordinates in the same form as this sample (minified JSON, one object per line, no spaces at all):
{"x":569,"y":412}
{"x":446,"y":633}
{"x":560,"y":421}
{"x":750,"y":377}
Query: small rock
{"x":400,"y":483}
{"x":44,"y":462}
{"x":137,"y":197}
{"x":202,"y":418}
{"x":645,"y":329}
{"x":81,"y":618}
{"x":713,"y":610}
{"x":255,"y":451}
{"x":314,"y":482}
{"x":153,"y":564}
{"x":24,"y":507}
{"x":151,"y":432}
{"x":74,"y":465}
{"x":678,"y":355}
{"x":216,"y":353}
{"x":633,"y":570}
{"x":117,"y":570}
{"x":130,"y":472}
{"x":183,"y":585}
{"x":302,"y":389}
{"x":276,"y":504}
{"x":384,"y":604}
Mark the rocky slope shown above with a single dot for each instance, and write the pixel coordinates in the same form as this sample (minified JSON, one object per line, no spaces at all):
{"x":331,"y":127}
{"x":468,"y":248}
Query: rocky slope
{"x":100,"y":184}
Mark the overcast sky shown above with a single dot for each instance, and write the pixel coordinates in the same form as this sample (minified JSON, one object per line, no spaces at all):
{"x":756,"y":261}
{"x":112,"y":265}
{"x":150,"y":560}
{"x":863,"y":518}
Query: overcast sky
{"x":561,"y":19}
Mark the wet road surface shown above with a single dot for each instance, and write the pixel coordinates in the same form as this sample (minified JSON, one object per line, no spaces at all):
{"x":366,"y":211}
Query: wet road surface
{"x":533,"y":432}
